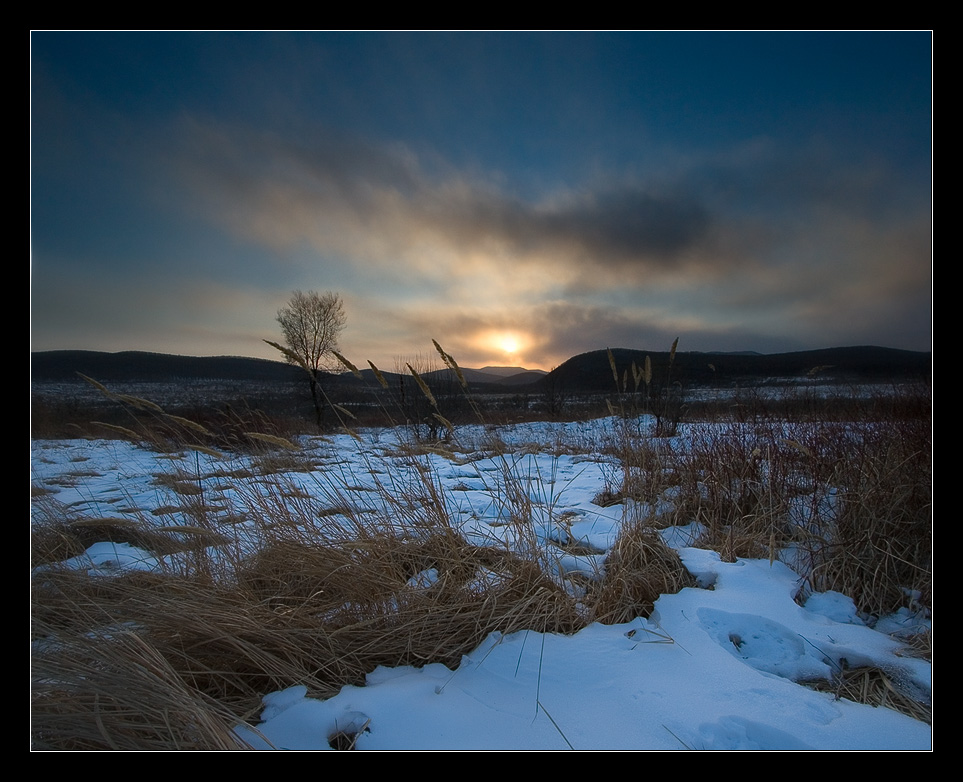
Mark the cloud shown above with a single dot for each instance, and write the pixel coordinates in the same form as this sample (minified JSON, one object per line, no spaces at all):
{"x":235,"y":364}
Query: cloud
{"x":349,"y":197}
{"x":783,"y":246}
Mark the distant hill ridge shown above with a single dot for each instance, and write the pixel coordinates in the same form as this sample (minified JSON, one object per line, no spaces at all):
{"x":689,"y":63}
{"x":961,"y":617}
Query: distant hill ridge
{"x":593,"y":370}
{"x":587,"y":371}
{"x":134,"y":366}
{"x":509,"y":371}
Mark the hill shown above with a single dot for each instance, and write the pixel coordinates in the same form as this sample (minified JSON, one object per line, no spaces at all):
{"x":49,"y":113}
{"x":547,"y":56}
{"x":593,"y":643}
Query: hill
{"x":590,"y":372}
{"x":593,"y":372}
{"x":137,"y":366}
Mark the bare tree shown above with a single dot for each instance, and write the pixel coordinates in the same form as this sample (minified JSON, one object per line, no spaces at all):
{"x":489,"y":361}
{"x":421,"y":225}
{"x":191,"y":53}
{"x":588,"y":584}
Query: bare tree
{"x":311,"y":324}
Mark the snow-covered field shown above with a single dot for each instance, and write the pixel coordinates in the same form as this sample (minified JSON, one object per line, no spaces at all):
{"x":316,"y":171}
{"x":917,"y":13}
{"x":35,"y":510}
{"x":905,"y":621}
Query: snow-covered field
{"x":718,"y":667}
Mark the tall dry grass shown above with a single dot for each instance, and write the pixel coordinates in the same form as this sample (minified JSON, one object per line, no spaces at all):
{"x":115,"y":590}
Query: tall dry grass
{"x":332,"y":589}
{"x":330,"y":583}
{"x":318,"y":611}
{"x":850,"y":497}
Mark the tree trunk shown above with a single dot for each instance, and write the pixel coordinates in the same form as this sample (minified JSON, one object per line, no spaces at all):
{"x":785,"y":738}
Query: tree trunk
{"x":316,"y":398}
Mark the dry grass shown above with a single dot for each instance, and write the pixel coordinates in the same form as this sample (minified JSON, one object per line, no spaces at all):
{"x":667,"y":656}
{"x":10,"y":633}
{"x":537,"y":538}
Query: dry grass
{"x":339,"y":586}
{"x":881,"y":546}
{"x":321,"y":615}
{"x":119,"y":693}
{"x":874,"y":686}
{"x":852,"y":498}
{"x":638,"y":570}
{"x":58,"y":534}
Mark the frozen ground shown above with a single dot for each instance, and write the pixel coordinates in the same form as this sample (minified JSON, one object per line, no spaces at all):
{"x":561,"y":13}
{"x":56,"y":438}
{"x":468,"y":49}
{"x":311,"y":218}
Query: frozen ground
{"x":713,"y":668}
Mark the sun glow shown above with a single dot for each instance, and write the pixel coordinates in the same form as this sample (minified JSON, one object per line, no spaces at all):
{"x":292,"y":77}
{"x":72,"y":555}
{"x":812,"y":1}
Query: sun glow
{"x":509,"y":343}
{"x":503,"y":346}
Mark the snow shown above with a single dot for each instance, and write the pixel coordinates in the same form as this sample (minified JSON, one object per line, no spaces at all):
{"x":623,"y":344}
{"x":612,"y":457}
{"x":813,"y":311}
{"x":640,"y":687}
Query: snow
{"x":716,"y":667}
{"x":710,"y":670}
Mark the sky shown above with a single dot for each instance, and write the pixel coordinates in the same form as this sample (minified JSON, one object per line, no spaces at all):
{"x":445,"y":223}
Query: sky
{"x":519,"y":197}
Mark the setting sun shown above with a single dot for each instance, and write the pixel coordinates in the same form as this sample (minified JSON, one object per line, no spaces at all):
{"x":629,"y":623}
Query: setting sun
{"x":502,"y":345}
{"x":509,"y":344}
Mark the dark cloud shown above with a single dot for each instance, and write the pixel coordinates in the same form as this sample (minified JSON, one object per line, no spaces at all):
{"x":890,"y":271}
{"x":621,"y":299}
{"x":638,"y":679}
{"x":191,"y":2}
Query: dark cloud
{"x":761,"y":206}
{"x":629,"y":224}
{"x":567,"y":329}
{"x":328,"y":190}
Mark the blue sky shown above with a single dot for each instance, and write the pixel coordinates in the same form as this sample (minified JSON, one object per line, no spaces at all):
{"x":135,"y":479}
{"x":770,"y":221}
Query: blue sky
{"x":520,"y":197}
